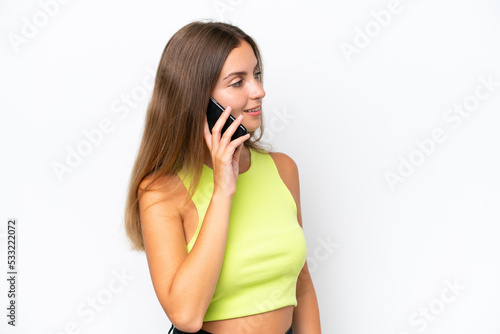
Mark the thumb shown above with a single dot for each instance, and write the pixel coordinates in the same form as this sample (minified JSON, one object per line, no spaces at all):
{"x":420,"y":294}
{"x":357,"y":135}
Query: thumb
{"x":237,"y":153}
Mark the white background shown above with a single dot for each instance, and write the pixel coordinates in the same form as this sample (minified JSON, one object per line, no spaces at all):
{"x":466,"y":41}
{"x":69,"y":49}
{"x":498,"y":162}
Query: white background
{"x":382,"y":258}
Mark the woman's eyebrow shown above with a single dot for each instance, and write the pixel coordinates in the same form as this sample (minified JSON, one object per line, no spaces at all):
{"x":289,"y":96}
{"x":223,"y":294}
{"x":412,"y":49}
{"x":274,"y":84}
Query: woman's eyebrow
{"x":240,"y":73}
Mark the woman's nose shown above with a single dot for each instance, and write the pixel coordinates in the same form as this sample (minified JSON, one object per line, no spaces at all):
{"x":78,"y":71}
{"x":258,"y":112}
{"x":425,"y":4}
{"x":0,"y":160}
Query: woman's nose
{"x":258,"y":91}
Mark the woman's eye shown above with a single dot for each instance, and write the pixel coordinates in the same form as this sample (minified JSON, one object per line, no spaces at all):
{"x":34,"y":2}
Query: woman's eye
{"x":237,"y":84}
{"x":258,"y":76}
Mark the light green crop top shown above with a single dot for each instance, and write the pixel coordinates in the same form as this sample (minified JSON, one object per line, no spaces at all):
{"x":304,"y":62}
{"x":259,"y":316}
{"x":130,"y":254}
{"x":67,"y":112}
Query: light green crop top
{"x":265,"y":249}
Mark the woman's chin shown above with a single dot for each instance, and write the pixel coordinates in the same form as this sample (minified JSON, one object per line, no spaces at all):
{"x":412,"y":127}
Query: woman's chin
{"x":252,"y":125}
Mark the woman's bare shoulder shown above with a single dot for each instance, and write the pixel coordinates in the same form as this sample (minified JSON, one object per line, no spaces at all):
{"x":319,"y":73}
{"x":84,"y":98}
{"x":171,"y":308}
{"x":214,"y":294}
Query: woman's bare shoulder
{"x":155,"y":182}
{"x":166,"y":190}
{"x":285,"y":164}
{"x":289,"y":173}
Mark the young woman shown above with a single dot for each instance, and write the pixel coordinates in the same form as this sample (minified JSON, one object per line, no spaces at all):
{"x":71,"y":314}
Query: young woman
{"x":219,"y":219}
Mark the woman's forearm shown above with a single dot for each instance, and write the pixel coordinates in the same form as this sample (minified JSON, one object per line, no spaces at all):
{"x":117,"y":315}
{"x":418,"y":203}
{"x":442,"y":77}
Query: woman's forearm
{"x":194,"y":282}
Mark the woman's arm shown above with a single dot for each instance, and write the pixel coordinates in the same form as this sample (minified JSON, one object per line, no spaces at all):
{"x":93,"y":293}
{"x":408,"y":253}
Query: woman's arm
{"x":306,"y":315}
{"x":185,"y":282}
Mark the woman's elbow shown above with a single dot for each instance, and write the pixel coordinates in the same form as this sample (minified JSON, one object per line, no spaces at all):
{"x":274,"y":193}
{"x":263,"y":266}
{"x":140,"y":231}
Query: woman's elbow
{"x":186,"y":320}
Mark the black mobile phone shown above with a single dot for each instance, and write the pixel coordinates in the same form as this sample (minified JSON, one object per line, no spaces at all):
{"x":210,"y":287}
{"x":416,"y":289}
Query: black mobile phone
{"x":214,"y":111}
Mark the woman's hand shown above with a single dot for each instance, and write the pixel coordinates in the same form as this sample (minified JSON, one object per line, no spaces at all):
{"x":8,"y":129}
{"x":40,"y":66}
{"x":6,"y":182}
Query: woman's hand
{"x":225,"y":153}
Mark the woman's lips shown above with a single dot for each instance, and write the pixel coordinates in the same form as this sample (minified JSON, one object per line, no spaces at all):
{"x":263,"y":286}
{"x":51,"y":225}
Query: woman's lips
{"x":253,"y":112}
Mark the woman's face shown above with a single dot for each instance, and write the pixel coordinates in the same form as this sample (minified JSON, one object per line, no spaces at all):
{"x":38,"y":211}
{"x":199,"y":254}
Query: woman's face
{"x":239,"y":86}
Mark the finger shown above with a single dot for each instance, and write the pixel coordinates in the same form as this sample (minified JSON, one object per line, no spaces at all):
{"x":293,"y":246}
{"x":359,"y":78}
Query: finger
{"x":237,"y":153}
{"x":232,"y":128}
{"x":239,"y":141}
{"x":222,"y":120}
{"x":217,"y":128}
{"x":207,"y":135}
{"x":233,"y":150}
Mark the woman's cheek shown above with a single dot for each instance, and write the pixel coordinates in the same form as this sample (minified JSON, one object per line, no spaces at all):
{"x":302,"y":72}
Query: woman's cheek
{"x":237,"y":111}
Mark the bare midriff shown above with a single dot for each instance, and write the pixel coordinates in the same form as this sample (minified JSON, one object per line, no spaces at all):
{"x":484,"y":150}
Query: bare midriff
{"x":276,"y":321}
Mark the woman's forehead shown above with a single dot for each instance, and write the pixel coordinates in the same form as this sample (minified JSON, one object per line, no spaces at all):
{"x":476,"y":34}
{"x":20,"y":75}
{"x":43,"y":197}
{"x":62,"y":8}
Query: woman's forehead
{"x":240,"y":59}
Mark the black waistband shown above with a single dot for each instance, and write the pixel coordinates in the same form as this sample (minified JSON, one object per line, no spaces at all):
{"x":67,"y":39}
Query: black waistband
{"x":201,"y":331}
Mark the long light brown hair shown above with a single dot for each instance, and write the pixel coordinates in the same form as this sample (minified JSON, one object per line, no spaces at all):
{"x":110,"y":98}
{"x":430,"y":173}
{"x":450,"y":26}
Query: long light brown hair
{"x":173,"y":133}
